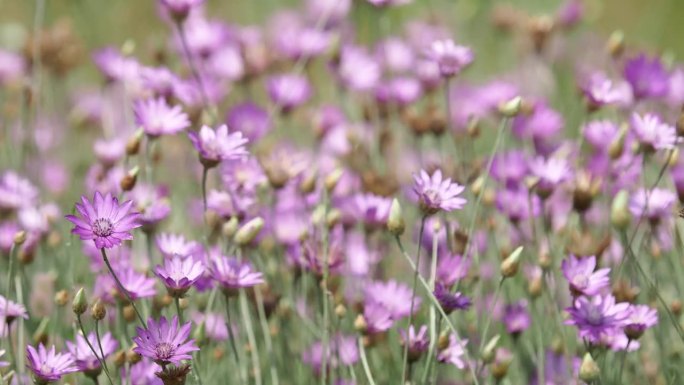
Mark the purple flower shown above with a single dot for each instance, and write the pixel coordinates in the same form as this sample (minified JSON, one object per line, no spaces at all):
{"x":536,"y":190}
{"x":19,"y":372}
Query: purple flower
{"x":388,"y":3}
{"x":417,"y":341}
{"x":550,"y":173}
{"x":435,"y":194}
{"x":179,"y":274}
{"x":48,"y":365}
{"x":452,"y":268}
{"x":104,"y":221}
{"x":138,"y":285}
{"x":83,"y":356}
{"x":641,"y":317}
{"x":250,"y":119}
{"x":600,"y":91}
{"x":581,"y":276}
{"x":165,"y":343}
{"x":16,"y":191}
{"x":214,"y":325}
{"x":108,"y":152}
{"x":598,"y":316}
{"x":393,"y":295}
{"x":160,"y":80}
{"x":358,"y":70}
{"x":654,"y":205}
{"x":10,"y":310}
{"x":510,"y":167}
{"x":653,"y":133}
{"x":395,"y":55}
{"x":176,"y":244}
{"x":342,"y":351}
{"x":288,"y":91}
{"x":648,"y":77}
{"x":180,"y":9}
{"x":372,"y":210}
{"x":451,"y":58}
{"x":216,"y":146}
{"x":233,"y":275}
{"x":517,"y":318}
{"x":377,"y":317}
{"x":453,"y":353}
{"x":153,"y":204}
{"x":451,"y":301}
{"x":157,"y":118}
{"x":12,"y":66}
{"x":601,"y":133}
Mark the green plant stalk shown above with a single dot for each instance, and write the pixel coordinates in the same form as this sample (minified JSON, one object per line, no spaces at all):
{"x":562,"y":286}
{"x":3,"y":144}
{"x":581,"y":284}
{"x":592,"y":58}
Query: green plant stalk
{"x":364,"y":362}
{"x":434,"y":328}
{"x":267,"y":336}
{"x":254,"y":352}
{"x":100,"y":359}
{"x":99,"y":343}
{"x":122,"y":288}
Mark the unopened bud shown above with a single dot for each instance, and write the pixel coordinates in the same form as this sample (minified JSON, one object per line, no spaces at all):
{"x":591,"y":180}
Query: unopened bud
{"x":589,"y":370}
{"x":80,"y":303}
{"x":395,"y":220}
{"x":489,"y":351}
{"x":249,"y":231}
{"x":62,"y":298}
{"x":333,"y":178}
{"x":133,"y":144}
{"x":132,"y":357}
{"x":340,"y":310}
{"x":333,"y":218}
{"x":120,"y":358}
{"x":535,"y":287}
{"x":617,"y":146}
{"x":477,"y":186}
{"x":510,"y":265}
{"x":511,"y":107}
{"x":360,"y":324}
{"x":98,"y":311}
{"x":620,"y":215}
{"x":230,"y":228}
{"x":616,"y":43}
{"x":129,"y":180}
{"x":19,"y":237}
{"x":308,"y":183}
{"x":443,"y":341}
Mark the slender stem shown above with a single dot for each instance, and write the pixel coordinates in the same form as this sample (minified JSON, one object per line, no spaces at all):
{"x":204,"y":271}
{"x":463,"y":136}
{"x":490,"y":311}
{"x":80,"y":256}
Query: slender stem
{"x":231,"y":337}
{"x":622,"y":362}
{"x":193,"y":69}
{"x":122,"y":288}
{"x":267,"y":335}
{"x":364,"y":362}
{"x":205,"y":171}
{"x":324,"y":288}
{"x":99,"y":343}
{"x":433,"y":316}
{"x":176,"y":300}
{"x":92,"y":349}
{"x":488,"y":322}
{"x":20,"y":332}
{"x":416,"y":273}
{"x":254,"y":352}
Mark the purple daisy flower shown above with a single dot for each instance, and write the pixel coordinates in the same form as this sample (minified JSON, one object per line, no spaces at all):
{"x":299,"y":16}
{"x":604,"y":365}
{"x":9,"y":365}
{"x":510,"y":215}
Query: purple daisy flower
{"x":654,"y":205}
{"x":551,"y":172}
{"x":641,"y":317}
{"x":653,"y":133}
{"x":453,"y":353}
{"x":510,"y":167}
{"x":157,"y":118}
{"x":358,"y":70}
{"x":10,"y":310}
{"x":104,"y":221}
{"x":83,"y":356}
{"x":601,"y":133}
{"x":451,"y":301}
{"x":452,"y":268}
{"x":581,"y":276}
{"x":233,"y":275}
{"x":435,"y":194}
{"x":377,"y":317}
{"x":372,"y":210}
{"x":138,"y":285}
{"x":418,"y":342}
{"x":648,"y":77}
{"x":217,"y":145}
{"x":180,"y":9}
{"x":110,"y":151}
{"x":16,"y":191}
{"x":598,"y":316}
{"x":179,"y":274}
{"x":517,"y":318}
{"x":165,"y":343}
{"x":250,"y":119}
{"x":48,"y":365}
{"x":288,"y":91}
{"x":451,"y":58}
{"x":601,"y":91}
{"x":176,"y":244}
{"x":342,"y":351}
{"x":393,"y":295}
{"x":153,"y":204}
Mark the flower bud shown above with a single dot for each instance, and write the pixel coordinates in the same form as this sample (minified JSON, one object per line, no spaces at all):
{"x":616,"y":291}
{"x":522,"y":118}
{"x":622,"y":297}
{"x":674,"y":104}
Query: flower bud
{"x":489,"y":351}
{"x":395,"y":220}
{"x":98,"y":311}
{"x":62,"y":298}
{"x":510,"y":265}
{"x":120,"y":358}
{"x":19,"y":238}
{"x":589,"y":370}
{"x":360,"y":324}
{"x":132,"y":357}
{"x":249,"y":231}
{"x":129,"y":180}
{"x":332,"y":179}
{"x":133,"y":144}
{"x":616,"y":147}
{"x":616,"y":44}
{"x":80,"y":303}
{"x":333,"y":218}
{"x":308,"y":183}
{"x":511,"y":107}
{"x":620,"y":216}
{"x":230,"y":228}
{"x":340,"y":310}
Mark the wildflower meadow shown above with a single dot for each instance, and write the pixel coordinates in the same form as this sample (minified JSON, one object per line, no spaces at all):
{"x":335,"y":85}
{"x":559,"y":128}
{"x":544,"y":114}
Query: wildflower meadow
{"x":341,"y":192}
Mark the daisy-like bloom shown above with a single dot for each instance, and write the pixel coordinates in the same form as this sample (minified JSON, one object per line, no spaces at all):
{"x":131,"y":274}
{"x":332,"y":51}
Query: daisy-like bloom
{"x":453,"y":353}
{"x":157,"y":118}
{"x":372,"y":210}
{"x":417,"y":341}
{"x":288,"y":91}
{"x":342,"y":351}
{"x":517,"y":318}
{"x":377,"y":318}
{"x":104,"y":221}
{"x":217,"y":145}
{"x":598,"y":316}
{"x":394,"y":296}
{"x":450,"y":58}
{"x":176,"y":244}
{"x":452,"y":268}
{"x":233,"y":275}
{"x":83,"y":356}
{"x":451,"y":301}
{"x":510,"y":167}
{"x":250,"y":119}
{"x":215,"y":327}
{"x":550,"y":173}
{"x":654,"y":205}
{"x":108,"y":152}
{"x":641,"y":317}
{"x":138,"y":285}
{"x":652,"y":133}
{"x":180,"y":9}
{"x":601,"y":133}
{"x":10,"y":310}
{"x":153,"y":204}
{"x":581,"y":276}
{"x":648,"y":77}
{"x":600,"y":91}
{"x":435,"y":193}
{"x":179,"y":274}
{"x":165,"y":342}
{"x":48,"y":365}
{"x":16,"y":191}
{"x":160,"y":80}
{"x":358,"y":70}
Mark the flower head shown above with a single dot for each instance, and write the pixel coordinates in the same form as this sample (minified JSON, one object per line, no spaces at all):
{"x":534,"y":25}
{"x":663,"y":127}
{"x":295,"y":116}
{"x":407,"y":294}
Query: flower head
{"x":652,"y":133}
{"x":138,"y":285}
{"x":417,"y":341}
{"x":104,"y":221}
{"x":217,"y":145}
{"x":581,"y":276}
{"x":598,"y":316}
{"x":16,"y":191}
{"x":10,"y":310}
{"x":176,"y":244}
{"x":180,"y":9}
{"x":288,"y":91}
{"x":232,"y":274}
{"x":516,"y":317}
{"x":48,"y":365}
{"x":250,"y":119}
{"x":179,"y":274}
{"x":394,"y":296}
{"x":452,"y":268}
{"x":435,"y":194}
{"x":655,"y":205}
{"x":451,"y":58}
{"x":165,"y":342}
{"x":551,"y":172}
{"x":341,"y":351}
{"x":451,"y":301}
{"x":641,"y":317}
{"x":648,"y":77}
{"x":157,"y":118}
{"x":83,"y":356}
{"x":454,"y":352}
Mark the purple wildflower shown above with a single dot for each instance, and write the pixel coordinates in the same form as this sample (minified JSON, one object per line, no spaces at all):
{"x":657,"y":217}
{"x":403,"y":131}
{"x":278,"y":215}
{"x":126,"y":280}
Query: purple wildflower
{"x":393,"y":295}
{"x":180,"y":9}
{"x":641,"y":317}
{"x":10,"y":310}
{"x":454,"y":352}
{"x":138,"y":285}
{"x":342,"y":351}
{"x":417,"y":341}
{"x":249,"y":119}
{"x":451,"y":58}
{"x":654,"y":205}
{"x":451,"y":301}
{"x":452,"y":268}
{"x":153,"y":204}
{"x":83,"y":356}
{"x":435,"y":194}
{"x":48,"y":365}
{"x":653,"y":133}
{"x":517,"y":318}
{"x":550,"y":173}
{"x":104,"y":221}
{"x":157,"y":118}
{"x":601,"y":133}
{"x":165,"y":343}
{"x":233,"y":275}
{"x":648,"y":77}
{"x":217,"y":145}
{"x":581,"y":276}
{"x":16,"y":191}
{"x":176,"y":244}
{"x":598,"y":316}
{"x":288,"y":91}
{"x":179,"y":274}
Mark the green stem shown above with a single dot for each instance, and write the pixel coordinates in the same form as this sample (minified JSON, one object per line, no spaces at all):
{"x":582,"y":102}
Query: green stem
{"x":205,"y":171}
{"x":92,"y":349}
{"x":233,"y":345}
{"x":267,"y":336}
{"x":254,"y":352}
{"x":99,"y":343}
{"x":433,"y":317}
{"x":122,"y":288}
{"x":488,"y":321}
{"x":176,"y":300}
{"x":324,"y":288}
{"x":364,"y":362}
